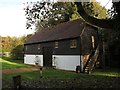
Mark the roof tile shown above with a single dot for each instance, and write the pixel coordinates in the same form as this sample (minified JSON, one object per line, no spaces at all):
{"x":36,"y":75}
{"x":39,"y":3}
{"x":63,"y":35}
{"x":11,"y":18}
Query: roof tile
{"x":65,"y":30}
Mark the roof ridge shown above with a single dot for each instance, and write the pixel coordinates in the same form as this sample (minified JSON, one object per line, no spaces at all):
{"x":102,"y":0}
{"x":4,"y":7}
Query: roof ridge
{"x":51,"y":27}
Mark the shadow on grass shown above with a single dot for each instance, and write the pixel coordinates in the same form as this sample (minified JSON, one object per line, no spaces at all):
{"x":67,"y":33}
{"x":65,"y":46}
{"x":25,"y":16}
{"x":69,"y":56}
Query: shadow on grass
{"x":12,"y":60}
{"x":112,"y":72}
{"x":62,"y":79}
{"x":7,"y":58}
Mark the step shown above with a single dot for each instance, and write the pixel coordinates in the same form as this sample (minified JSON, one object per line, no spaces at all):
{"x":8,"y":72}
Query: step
{"x":86,"y":69}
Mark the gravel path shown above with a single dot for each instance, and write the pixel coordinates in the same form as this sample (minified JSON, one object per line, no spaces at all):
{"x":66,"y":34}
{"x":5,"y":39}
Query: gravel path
{"x":19,"y":70}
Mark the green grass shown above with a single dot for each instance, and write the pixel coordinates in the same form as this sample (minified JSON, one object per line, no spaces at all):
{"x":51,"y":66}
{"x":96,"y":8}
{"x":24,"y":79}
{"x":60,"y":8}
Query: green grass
{"x":60,"y":78}
{"x":113,"y":72}
{"x":9,"y":63}
{"x":48,"y":73}
{"x":109,"y":78}
{"x":12,"y":60}
{"x":54,"y":73}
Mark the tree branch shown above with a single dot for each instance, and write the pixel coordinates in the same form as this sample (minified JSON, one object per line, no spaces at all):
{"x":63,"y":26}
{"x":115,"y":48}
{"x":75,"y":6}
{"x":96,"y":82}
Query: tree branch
{"x":102,"y":23}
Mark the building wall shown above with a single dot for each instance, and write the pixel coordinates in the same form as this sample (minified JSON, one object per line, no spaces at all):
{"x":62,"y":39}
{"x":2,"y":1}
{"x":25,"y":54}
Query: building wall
{"x":63,"y":49}
{"x":86,"y":39}
{"x":65,"y":57}
{"x":64,"y":62}
{"x":31,"y":59}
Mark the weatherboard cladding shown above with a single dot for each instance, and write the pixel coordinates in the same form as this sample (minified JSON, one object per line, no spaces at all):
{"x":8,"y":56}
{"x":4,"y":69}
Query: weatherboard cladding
{"x":63,"y":49}
{"x":65,"y":30}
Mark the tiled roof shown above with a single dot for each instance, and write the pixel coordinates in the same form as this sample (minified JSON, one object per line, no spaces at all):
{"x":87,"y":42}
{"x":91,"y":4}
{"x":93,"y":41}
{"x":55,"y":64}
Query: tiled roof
{"x":65,"y":30}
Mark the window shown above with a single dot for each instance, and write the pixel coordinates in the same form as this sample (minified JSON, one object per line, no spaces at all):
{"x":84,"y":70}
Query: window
{"x":73,"y":43}
{"x":39,"y":46}
{"x":56,"y":44}
{"x":93,"y":41}
{"x":26,"y":48}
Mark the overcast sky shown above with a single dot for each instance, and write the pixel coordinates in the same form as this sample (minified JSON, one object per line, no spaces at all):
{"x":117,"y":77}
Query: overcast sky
{"x":12,"y":17}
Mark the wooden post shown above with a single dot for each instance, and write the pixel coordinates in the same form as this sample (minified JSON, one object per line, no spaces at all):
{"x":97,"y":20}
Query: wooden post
{"x":17,"y":82}
{"x":78,"y":69}
{"x":40,"y":72}
{"x":103,"y":57}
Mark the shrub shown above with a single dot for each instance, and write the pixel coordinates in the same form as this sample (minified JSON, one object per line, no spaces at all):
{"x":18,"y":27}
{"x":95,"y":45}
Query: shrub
{"x":17,"y":52}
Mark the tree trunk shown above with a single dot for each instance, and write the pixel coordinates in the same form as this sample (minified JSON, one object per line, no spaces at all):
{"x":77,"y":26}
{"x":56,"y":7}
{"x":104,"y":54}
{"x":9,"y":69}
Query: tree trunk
{"x":102,"y":23}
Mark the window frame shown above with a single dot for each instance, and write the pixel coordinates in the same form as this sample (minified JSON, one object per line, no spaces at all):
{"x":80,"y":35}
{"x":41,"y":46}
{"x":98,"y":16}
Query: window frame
{"x":39,"y":45}
{"x":93,"y":41}
{"x":73,"y":43}
{"x":56,"y":44}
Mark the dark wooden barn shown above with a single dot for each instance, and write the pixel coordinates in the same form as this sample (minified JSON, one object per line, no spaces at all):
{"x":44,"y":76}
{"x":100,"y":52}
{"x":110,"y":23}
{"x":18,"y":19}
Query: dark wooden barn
{"x":63,"y":46}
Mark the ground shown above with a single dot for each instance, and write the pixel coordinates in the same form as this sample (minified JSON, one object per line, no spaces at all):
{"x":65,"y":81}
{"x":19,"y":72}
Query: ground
{"x":53,"y":78}
{"x":19,"y":70}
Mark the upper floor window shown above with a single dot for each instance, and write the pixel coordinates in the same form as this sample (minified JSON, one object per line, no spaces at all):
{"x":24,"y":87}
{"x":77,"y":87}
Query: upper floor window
{"x":93,"y":41}
{"x":56,"y":44}
{"x":73,"y":43}
{"x":39,"y":46}
{"x":26,"y":48}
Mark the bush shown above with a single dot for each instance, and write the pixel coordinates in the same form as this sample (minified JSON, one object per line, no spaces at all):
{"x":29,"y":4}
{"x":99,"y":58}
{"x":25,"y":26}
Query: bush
{"x":17,"y":52}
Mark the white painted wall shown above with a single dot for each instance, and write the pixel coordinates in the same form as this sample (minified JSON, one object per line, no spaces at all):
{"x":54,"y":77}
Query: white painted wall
{"x":30,"y":59}
{"x":66,"y":62}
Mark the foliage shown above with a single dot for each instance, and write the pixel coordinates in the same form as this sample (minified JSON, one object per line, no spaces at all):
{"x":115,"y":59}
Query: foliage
{"x":111,"y":31}
{"x":113,"y":37}
{"x":94,"y":9}
{"x":45,"y":14}
{"x":24,"y":39}
{"x":17,"y":52}
{"x":8,"y":43}
{"x":14,"y":45}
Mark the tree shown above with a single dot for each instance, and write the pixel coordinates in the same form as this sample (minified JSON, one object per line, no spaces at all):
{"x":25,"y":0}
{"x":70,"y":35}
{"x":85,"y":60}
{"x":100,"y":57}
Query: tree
{"x":17,"y":46}
{"x":17,"y":52}
{"x":5,"y":42}
{"x":45,"y":14}
{"x":103,"y":23}
{"x":24,"y":39}
{"x":8,"y":44}
{"x":111,"y":26}
{"x":94,"y":9}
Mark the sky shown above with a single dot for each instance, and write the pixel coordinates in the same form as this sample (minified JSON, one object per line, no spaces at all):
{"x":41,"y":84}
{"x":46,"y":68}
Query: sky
{"x":12,"y":17}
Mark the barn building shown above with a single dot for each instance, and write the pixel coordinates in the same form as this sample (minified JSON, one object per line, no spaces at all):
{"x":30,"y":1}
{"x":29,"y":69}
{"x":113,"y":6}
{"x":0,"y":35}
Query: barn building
{"x":63,"y":46}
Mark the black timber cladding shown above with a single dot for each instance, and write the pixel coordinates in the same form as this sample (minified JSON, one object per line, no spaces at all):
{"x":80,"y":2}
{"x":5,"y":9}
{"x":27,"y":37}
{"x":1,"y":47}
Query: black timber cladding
{"x":86,"y":40}
{"x":63,"y":49}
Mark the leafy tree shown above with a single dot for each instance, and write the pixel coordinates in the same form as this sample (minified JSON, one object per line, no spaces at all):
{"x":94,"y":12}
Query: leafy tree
{"x":17,"y":52}
{"x":45,"y":14}
{"x":94,"y":9}
{"x":5,"y":42}
{"x":24,"y":39}
{"x":111,"y":30}
{"x":14,"y":45}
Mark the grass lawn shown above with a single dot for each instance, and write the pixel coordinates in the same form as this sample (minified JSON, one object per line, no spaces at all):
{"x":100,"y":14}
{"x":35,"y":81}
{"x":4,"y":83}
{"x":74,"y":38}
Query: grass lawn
{"x":63,"y":79}
{"x":52,"y":78}
{"x":9,"y":63}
